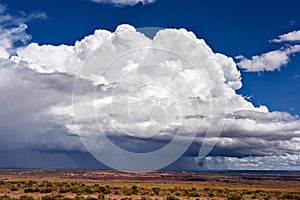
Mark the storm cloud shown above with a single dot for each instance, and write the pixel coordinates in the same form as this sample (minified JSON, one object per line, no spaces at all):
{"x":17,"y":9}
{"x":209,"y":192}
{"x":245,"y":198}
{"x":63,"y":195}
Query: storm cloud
{"x":36,"y":83}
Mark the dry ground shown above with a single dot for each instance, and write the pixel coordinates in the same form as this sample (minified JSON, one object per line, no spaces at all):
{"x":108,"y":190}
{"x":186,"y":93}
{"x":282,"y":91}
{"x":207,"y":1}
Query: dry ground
{"x":110,"y":185}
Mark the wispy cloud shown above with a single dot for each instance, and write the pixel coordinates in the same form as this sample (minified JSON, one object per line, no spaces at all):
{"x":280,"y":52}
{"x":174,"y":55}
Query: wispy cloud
{"x":122,"y":3}
{"x":13,"y":30}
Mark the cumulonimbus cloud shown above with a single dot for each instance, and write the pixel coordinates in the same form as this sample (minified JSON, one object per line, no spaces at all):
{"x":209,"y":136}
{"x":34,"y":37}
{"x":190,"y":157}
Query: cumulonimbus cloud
{"x":49,"y":71}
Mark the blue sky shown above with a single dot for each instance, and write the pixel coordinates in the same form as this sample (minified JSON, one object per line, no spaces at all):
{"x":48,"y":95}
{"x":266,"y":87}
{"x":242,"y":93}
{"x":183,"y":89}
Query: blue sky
{"x":232,"y":28}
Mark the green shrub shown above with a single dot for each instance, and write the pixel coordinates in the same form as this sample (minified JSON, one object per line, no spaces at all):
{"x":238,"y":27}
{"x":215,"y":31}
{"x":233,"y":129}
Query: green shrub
{"x":288,"y":195}
{"x":64,"y":190}
{"x":73,"y":183}
{"x":88,"y":189}
{"x":28,"y":190}
{"x":46,"y":190}
{"x":220,"y":190}
{"x":78,"y":197}
{"x":267,"y":197}
{"x":101,"y":197}
{"x":156,"y":190}
{"x":194,"y":194}
{"x":5,"y":197}
{"x":13,"y":188}
{"x":12,"y":182}
{"x":75,"y":189}
{"x":234,"y":197}
{"x":25,"y":197}
{"x":134,"y":189}
{"x":248,"y":192}
{"x":53,"y":197}
{"x":104,"y":189}
{"x":36,"y":190}
{"x":171,"y":197}
{"x":48,"y":197}
{"x":91,"y":198}
{"x":30,"y":183}
{"x":46,"y":184}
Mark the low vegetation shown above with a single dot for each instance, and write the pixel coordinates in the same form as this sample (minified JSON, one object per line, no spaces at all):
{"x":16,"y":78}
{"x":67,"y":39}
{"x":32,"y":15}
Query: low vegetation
{"x":47,"y":190}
